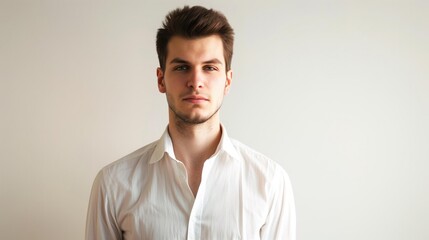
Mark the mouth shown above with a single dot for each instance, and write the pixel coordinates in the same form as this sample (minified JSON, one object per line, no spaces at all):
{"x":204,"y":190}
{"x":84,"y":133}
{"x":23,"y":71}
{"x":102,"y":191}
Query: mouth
{"x":195,"y":99}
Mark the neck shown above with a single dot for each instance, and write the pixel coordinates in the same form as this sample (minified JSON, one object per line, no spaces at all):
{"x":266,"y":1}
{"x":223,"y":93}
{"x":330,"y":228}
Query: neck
{"x":194,"y":143}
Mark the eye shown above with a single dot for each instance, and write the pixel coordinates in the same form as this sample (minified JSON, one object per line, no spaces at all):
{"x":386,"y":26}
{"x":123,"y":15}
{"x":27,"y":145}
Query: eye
{"x":210,"y":68}
{"x":181,"y":68}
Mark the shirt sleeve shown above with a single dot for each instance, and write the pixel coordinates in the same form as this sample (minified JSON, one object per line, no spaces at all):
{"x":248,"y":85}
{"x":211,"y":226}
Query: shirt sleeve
{"x":281,"y":218}
{"x":101,"y":222}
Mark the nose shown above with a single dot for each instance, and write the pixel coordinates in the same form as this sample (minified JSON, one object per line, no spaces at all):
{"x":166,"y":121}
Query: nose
{"x":195,"y":80}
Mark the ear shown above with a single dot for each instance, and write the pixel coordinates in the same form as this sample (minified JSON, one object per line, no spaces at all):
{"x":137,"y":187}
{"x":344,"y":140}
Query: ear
{"x":228,"y":82}
{"x":161,"y":83}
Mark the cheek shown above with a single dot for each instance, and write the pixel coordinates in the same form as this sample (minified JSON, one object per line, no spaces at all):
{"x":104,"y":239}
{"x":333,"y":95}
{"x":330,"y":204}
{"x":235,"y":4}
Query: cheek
{"x":172,"y":83}
{"x":221,"y":90}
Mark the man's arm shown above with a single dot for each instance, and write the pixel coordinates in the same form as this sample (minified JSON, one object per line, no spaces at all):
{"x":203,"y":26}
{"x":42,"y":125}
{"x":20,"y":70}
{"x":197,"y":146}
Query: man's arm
{"x":101,"y":222}
{"x":281,"y":219}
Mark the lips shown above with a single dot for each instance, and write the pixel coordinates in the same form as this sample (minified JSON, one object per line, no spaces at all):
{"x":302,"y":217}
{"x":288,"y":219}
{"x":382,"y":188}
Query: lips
{"x":195,"y":99}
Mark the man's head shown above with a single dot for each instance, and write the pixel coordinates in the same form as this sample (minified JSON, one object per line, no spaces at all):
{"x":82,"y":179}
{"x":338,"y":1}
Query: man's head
{"x":195,"y":22}
{"x":194,"y":50}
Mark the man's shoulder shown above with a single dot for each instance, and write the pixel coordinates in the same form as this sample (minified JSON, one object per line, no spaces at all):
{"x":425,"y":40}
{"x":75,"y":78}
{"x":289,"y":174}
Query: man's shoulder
{"x":255,"y":159}
{"x":130,"y":161}
{"x":248,"y":152}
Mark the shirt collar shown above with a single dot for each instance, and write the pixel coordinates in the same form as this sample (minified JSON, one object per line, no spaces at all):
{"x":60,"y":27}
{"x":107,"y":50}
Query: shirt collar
{"x":165,"y":145}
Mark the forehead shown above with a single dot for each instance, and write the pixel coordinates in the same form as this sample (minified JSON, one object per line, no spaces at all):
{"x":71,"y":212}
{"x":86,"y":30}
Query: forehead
{"x":195,"y":49}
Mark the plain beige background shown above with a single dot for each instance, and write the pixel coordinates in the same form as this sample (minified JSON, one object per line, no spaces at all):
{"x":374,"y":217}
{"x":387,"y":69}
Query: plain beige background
{"x":336,"y":91}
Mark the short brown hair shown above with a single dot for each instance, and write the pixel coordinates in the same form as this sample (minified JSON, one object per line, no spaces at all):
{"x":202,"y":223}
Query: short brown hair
{"x":194,"y":22}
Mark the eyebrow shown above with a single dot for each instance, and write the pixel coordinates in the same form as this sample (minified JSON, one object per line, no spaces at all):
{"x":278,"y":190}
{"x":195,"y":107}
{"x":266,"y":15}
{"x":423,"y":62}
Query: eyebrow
{"x":179,"y":60}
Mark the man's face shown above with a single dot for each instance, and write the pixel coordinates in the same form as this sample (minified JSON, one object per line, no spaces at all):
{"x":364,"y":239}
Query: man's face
{"x":194,"y":79}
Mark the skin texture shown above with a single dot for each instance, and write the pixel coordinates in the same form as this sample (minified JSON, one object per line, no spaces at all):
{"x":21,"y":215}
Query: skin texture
{"x":195,"y":82}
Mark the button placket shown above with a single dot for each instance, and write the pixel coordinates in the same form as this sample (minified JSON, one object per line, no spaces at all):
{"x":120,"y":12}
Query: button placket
{"x":183,"y":179}
{"x":194,"y":226}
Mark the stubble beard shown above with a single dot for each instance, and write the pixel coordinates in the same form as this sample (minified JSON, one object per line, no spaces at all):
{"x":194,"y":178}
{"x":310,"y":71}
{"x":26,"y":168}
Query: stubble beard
{"x":182,"y":118}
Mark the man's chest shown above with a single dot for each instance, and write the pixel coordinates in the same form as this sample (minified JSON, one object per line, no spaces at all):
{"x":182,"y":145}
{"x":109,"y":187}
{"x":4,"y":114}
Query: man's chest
{"x":226,"y":207}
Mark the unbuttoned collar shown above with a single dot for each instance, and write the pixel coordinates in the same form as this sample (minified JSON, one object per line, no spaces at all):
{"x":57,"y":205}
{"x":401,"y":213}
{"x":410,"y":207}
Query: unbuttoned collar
{"x":165,"y":145}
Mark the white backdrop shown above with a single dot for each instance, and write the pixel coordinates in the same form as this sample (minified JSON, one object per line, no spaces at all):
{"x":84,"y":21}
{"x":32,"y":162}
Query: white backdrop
{"x":336,"y":91}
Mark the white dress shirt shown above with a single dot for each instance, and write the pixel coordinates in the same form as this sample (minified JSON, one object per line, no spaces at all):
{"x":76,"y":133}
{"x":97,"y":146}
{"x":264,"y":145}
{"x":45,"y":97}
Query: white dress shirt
{"x":145,"y":195}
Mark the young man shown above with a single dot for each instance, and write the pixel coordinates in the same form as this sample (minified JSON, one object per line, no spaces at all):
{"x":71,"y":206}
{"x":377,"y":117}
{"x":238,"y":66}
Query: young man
{"x":194,"y":182}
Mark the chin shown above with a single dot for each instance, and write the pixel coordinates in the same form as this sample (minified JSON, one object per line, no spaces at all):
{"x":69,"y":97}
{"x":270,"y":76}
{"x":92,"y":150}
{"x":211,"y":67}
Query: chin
{"x":193,"y":120}
{"x":192,"y":116}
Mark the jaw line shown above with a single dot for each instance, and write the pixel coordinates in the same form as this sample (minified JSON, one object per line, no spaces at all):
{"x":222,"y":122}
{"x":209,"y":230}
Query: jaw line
{"x":180,"y":120}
